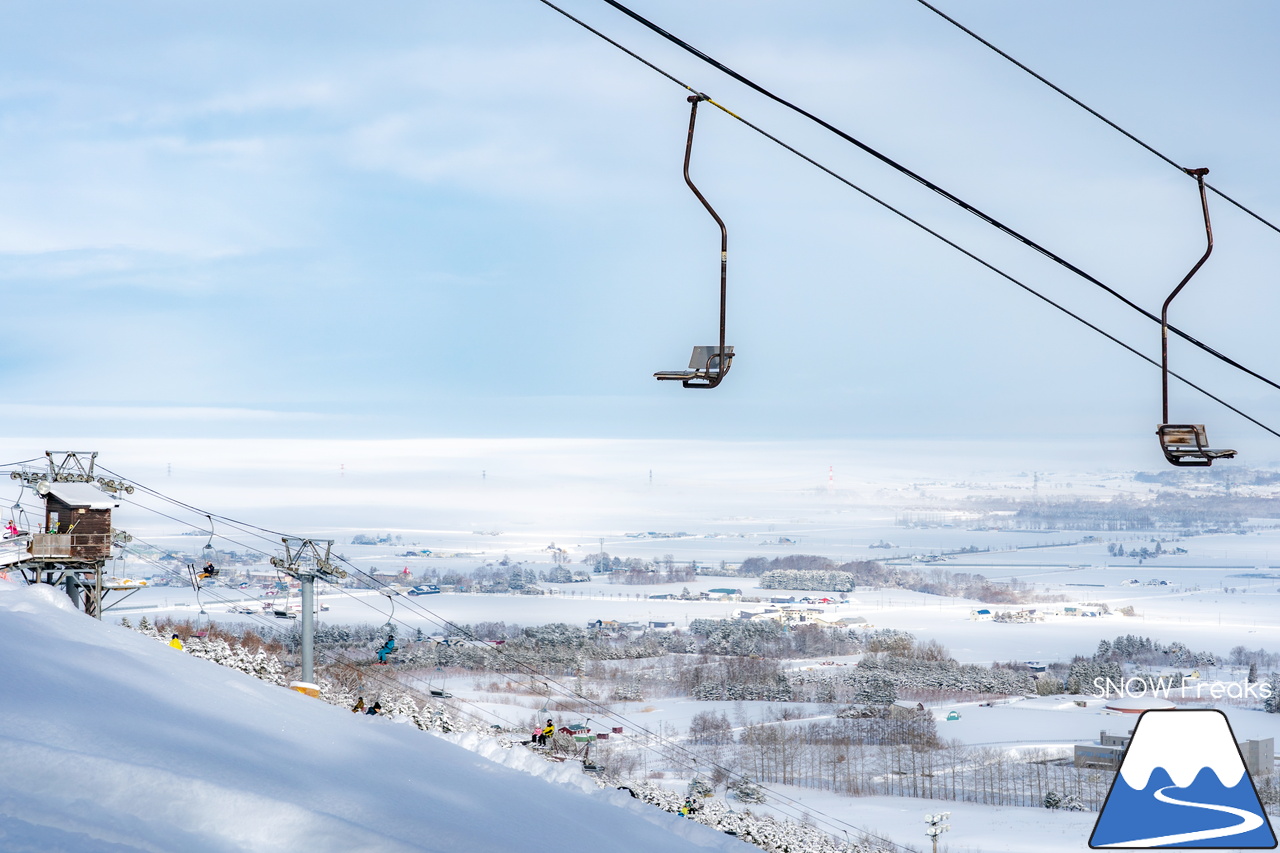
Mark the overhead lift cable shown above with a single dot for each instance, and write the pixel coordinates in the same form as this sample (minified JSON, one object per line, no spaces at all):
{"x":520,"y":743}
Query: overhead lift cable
{"x":954,"y":199}
{"x":870,"y":196}
{"x":674,"y":751}
{"x":1091,"y":110}
{"x":271,"y":627}
{"x":664,"y":746}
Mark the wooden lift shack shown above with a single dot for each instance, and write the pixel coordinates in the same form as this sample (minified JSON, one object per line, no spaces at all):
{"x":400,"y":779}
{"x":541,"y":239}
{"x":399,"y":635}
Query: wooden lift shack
{"x":76,"y":538}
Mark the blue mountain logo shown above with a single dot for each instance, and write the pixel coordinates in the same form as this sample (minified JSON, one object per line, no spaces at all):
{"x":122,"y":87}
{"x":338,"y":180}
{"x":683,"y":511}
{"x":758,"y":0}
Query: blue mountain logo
{"x":1183,"y":783}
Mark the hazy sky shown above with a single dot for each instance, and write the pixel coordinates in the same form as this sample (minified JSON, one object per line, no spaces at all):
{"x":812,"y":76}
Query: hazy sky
{"x":416,"y":219}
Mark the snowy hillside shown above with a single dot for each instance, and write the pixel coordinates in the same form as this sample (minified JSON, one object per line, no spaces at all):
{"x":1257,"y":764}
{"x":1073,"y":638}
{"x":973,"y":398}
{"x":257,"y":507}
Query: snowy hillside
{"x":113,"y":742}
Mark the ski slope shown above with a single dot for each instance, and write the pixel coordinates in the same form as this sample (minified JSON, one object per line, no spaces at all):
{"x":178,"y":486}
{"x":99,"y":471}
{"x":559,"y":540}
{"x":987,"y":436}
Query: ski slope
{"x":113,"y":742}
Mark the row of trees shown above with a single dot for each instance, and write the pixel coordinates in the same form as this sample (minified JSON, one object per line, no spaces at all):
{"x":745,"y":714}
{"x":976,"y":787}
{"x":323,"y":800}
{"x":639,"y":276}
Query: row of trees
{"x":1130,"y":648}
{"x":802,"y":571}
{"x":884,"y":754}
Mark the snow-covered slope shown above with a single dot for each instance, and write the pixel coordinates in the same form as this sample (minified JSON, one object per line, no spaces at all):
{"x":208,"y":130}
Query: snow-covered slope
{"x":111,"y":742}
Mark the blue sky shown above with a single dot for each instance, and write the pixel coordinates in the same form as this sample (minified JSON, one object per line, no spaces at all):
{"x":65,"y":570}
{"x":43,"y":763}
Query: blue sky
{"x":424,"y":219}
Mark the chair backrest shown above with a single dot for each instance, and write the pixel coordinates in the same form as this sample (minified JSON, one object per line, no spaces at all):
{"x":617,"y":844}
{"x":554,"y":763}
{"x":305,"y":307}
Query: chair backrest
{"x":1183,"y":435}
{"x":701,"y":355}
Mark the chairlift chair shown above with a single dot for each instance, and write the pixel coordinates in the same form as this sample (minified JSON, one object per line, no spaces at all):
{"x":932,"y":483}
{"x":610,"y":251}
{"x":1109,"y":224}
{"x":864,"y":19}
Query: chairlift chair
{"x":210,"y":555}
{"x":704,"y":367}
{"x":18,"y":520}
{"x":709,"y":364}
{"x":390,"y":625}
{"x":1185,"y":445}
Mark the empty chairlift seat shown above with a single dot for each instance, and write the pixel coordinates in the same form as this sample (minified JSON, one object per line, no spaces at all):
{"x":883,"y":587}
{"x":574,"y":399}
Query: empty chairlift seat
{"x":708,"y":365}
{"x":1187,"y":445}
{"x":705,"y":368}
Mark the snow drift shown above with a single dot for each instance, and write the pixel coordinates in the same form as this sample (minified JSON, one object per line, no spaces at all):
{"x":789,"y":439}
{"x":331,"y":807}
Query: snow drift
{"x":112,"y":742}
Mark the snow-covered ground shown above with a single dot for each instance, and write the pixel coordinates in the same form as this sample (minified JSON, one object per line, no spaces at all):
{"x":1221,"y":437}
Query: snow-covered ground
{"x":90,"y":703}
{"x":113,"y":742}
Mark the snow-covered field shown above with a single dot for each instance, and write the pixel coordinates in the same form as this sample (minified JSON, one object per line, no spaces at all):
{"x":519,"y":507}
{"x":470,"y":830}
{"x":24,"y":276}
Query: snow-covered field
{"x":480,"y":503}
{"x":114,"y":742}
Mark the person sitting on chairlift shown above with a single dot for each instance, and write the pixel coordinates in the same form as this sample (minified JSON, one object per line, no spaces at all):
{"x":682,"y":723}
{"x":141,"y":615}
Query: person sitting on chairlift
{"x":387,"y":648}
{"x":209,"y":570}
{"x":12,"y":529}
{"x":547,"y":731}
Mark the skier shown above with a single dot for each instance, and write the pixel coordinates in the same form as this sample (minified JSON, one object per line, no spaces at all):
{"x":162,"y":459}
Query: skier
{"x":547,"y":731}
{"x":176,"y":643}
{"x":387,"y":648}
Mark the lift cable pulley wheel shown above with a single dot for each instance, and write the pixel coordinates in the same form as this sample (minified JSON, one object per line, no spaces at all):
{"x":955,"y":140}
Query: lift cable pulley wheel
{"x":1185,"y":445}
{"x":709,"y":364}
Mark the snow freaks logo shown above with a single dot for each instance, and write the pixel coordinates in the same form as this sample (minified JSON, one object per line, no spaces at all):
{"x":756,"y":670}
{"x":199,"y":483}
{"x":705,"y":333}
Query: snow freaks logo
{"x":1131,"y":688}
{"x":1183,"y":783}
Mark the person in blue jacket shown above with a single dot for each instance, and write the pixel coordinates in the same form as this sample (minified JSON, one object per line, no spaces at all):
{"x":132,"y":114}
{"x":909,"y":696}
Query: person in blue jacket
{"x":387,"y":648}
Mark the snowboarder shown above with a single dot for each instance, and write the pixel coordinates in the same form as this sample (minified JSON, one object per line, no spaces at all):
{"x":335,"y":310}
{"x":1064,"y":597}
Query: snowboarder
{"x":176,"y":643}
{"x":387,"y":648}
{"x":547,"y":731}
{"x":359,"y":706}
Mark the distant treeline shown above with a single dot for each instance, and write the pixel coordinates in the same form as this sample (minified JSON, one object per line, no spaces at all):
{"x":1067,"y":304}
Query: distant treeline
{"x":1169,"y":510}
{"x":808,"y":572}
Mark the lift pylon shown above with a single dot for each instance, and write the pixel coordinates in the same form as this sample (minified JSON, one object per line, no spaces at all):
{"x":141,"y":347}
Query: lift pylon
{"x":304,"y":561}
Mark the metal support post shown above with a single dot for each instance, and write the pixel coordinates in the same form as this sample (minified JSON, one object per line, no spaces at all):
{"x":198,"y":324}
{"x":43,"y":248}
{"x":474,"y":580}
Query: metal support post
{"x":304,"y":561}
{"x":308,"y":627}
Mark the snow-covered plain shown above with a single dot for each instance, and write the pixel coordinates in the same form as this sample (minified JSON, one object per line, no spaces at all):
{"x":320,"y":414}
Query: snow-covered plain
{"x":472,"y":503}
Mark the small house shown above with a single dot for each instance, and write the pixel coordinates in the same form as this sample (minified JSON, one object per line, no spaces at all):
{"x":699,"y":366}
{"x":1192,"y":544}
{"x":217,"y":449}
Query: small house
{"x":77,"y":518}
{"x":904,"y":708}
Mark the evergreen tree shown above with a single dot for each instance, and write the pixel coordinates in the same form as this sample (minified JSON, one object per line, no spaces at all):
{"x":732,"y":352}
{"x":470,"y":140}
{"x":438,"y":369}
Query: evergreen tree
{"x":1271,"y":702}
{"x":747,"y":791}
{"x":699,"y":788}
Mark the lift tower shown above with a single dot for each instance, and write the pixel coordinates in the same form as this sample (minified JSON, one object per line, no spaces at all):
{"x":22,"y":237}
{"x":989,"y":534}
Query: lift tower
{"x":304,"y":562}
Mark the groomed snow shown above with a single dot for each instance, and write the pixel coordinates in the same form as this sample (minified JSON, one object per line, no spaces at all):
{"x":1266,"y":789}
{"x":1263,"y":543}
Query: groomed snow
{"x":113,"y":742}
